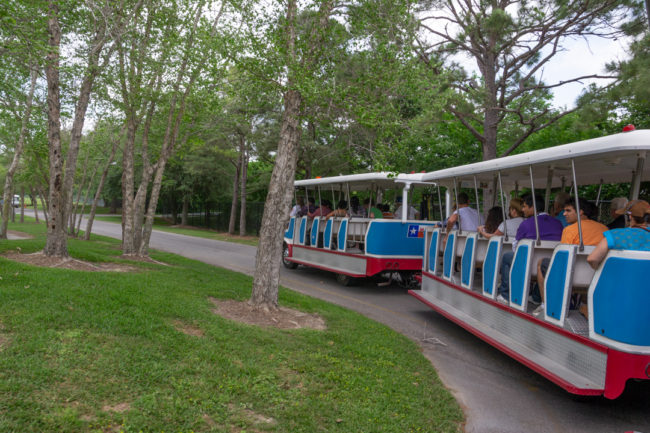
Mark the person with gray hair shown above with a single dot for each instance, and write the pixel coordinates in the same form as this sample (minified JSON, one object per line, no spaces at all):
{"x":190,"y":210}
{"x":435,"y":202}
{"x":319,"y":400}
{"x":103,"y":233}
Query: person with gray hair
{"x":558,"y":207}
{"x":617,"y":204}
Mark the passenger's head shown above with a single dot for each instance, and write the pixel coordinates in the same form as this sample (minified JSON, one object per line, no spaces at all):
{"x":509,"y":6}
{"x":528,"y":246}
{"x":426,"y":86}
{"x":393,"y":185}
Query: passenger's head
{"x":366,"y":202}
{"x":617,"y":204}
{"x":398,"y":200}
{"x":515,"y":208}
{"x":463,"y":199}
{"x":311,"y":200}
{"x":559,"y":202}
{"x":300,"y":201}
{"x":639,"y":211}
{"x":342,"y":204}
{"x":354,"y":202}
{"x":528,"y":208}
{"x":326,"y":202}
{"x":494,"y":218}
{"x":570,"y":212}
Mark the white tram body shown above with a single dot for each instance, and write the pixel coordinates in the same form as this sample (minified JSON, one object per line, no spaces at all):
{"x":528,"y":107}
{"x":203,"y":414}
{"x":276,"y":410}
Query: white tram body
{"x":355,"y":247}
{"x":460,"y":277}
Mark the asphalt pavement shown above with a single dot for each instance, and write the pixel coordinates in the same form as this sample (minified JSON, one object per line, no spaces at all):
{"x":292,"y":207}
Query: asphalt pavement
{"x":497,"y":393}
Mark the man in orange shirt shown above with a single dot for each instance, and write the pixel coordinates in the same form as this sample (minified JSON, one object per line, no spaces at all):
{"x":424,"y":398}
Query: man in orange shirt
{"x":592,"y":234}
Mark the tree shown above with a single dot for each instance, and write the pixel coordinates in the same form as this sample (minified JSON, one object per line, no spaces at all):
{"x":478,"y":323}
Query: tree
{"x":511,"y":42}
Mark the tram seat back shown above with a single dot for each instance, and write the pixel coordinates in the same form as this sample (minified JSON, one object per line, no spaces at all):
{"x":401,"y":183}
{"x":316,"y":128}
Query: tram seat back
{"x":302,"y":232}
{"x":341,"y":237}
{"x":481,"y":249}
{"x":583,"y":273}
{"x":491,"y":266}
{"x":315,"y":225}
{"x":520,"y":273}
{"x":327,"y":234}
{"x":558,"y":283}
{"x":449,"y":256}
{"x":432,"y":251}
{"x":619,"y":297}
{"x":357,"y":228}
{"x":290,"y":231}
{"x":468,"y":260}
{"x":542,"y":251}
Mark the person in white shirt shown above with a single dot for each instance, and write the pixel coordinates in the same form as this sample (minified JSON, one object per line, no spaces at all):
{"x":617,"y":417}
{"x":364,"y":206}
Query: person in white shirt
{"x":411,"y":212}
{"x":469,"y":217}
{"x":300,"y":202}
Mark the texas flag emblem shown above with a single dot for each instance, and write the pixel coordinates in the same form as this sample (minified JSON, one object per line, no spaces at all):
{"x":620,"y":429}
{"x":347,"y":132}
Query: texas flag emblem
{"x":415,"y":231}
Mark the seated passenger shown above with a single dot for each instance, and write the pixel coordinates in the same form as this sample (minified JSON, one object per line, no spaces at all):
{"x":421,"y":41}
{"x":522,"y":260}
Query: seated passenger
{"x":511,"y":224}
{"x":636,"y":237}
{"x":558,"y":207}
{"x":592,"y":233}
{"x":340,"y":211}
{"x":385,"y":211}
{"x":492,"y":222}
{"x":373,"y":212}
{"x":411,"y":212}
{"x":469,"y":217}
{"x":300,"y":202}
{"x":550,"y":229}
{"x":308,"y":208}
{"x":356,"y":210}
{"x":324,"y":208}
{"x":617,"y":210}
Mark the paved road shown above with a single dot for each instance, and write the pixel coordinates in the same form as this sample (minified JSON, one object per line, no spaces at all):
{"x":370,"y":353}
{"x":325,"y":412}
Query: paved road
{"x":497,"y":393}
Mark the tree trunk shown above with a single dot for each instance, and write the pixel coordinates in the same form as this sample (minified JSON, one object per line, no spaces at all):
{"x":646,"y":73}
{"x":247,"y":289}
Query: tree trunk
{"x":45,"y":204}
{"x":56,"y":243}
{"x":186,"y":205}
{"x":9,"y":178}
{"x":22,"y":204}
{"x":269,"y":251}
{"x":235,"y":196}
{"x":98,"y":193}
{"x":244,"y":178}
{"x":35,"y":204}
{"x":74,"y":209}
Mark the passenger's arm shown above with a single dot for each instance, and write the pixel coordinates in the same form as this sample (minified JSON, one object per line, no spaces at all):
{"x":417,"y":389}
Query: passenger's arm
{"x":451,"y":221}
{"x":598,"y":254}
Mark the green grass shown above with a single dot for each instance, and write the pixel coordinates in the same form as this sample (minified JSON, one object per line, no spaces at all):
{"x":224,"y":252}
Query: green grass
{"x":73,"y":343}
{"x":164,"y":225}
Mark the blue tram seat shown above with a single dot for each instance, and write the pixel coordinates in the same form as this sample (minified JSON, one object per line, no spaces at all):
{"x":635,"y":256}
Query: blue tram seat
{"x":520,"y":272}
{"x":491,"y":266}
{"x":449,"y":256}
{"x":618,"y":301}
{"x":558,"y":283}
{"x":315,"y":224}
{"x":289,"y":232}
{"x":342,"y":235}
{"x":433,"y":251}
{"x":468,"y":261}
{"x":327,"y":234}
{"x":302,"y":233}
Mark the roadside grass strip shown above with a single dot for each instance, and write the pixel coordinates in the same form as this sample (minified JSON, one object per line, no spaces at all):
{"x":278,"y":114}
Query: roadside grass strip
{"x":143,"y":351}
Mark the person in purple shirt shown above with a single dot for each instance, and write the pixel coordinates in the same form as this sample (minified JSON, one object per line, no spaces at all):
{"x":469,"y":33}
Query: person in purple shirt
{"x":550,"y":229}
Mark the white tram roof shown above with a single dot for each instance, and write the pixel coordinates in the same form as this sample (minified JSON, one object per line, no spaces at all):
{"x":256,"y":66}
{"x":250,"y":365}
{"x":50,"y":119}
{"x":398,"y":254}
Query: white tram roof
{"x":357,"y":182}
{"x":612,"y":158}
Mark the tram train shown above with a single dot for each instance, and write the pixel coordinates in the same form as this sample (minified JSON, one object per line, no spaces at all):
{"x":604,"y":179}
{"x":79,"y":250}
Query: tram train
{"x":460,"y":269}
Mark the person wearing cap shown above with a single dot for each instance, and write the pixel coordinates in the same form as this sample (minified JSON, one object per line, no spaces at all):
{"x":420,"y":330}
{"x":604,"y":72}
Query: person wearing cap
{"x":636,"y":237}
{"x":617,"y":210}
{"x":411,"y":212}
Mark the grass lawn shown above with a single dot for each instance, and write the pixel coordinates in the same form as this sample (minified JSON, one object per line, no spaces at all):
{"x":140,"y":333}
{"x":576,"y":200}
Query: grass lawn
{"x":102,"y":352}
{"x":164,"y":225}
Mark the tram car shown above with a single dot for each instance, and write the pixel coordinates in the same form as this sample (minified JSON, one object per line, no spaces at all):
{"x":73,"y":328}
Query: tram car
{"x":594,"y":353}
{"x":355,"y":247}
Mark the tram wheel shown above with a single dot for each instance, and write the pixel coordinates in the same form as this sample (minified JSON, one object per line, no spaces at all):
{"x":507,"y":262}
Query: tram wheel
{"x":287,"y":263}
{"x":346,"y":280}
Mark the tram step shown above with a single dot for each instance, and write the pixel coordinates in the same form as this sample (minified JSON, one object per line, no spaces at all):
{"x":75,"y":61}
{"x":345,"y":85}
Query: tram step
{"x":531,"y":356}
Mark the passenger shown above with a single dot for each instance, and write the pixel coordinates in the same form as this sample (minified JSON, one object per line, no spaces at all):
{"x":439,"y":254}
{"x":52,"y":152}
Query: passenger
{"x":592,"y":233}
{"x":324,"y":208}
{"x":411,"y":212}
{"x":492,"y":222}
{"x":636,"y":237}
{"x":356,"y":210}
{"x":308,"y":208}
{"x":373,"y":212}
{"x":558,"y":207}
{"x":385,"y":211}
{"x":550,"y":229}
{"x":340,"y":211}
{"x":512,"y":224}
{"x":469,"y":217}
{"x":617,"y":206}
{"x":300,"y":202}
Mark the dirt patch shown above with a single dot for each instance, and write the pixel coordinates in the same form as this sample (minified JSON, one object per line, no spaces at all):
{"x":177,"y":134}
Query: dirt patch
{"x":4,"y":339}
{"x":40,"y":259}
{"x":251,"y":416}
{"x":282,"y":318}
{"x":119,"y":408}
{"x":188,"y":329}
{"x":12,"y":234}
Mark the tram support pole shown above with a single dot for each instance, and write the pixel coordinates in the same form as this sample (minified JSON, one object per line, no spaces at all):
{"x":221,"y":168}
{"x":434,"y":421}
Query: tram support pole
{"x":532,"y":191}
{"x":636,"y":177}
{"x":549,"y":184}
{"x":405,"y":201}
{"x":581,"y":247}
